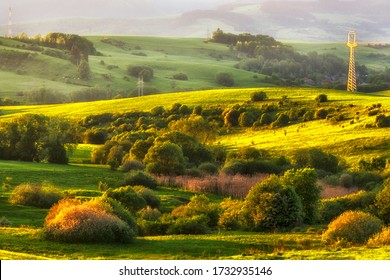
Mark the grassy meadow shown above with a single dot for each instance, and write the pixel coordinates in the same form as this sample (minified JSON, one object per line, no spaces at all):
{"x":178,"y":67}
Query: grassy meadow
{"x":168,"y":56}
{"x":351,"y":139}
{"x":351,"y":142}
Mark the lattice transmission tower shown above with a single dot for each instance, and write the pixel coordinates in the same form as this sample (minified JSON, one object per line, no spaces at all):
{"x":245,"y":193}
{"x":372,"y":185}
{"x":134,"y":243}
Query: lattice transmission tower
{"x":140,"y":85}
{"x":352,"y":44}
{"x":9,"y":22}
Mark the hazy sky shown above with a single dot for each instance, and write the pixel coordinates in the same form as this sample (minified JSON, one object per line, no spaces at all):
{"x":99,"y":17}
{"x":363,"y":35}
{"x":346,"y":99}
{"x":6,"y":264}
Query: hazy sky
{"x":25,"y":10}
{"x":322,"y":19}
{"x":35,"y":9}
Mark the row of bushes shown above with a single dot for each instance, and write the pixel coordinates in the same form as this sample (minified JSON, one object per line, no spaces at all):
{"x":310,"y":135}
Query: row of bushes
{"x":277,"y":203}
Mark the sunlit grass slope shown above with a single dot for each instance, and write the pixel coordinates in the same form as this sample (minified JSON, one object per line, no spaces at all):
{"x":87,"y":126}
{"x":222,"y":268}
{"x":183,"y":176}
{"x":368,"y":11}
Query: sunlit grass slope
{"x":350,"y":141}
{"x":208,"y":98}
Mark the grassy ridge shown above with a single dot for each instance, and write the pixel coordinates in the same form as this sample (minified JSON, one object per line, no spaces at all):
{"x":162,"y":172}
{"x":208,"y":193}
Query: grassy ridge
{"x":209,"y":98}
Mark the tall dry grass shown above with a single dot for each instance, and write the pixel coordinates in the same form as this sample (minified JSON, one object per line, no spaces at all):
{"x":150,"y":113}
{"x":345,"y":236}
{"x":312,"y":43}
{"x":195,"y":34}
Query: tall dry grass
{"x":222,"y":184}
{"x":238,"y":185}
{"x":330,"y":191}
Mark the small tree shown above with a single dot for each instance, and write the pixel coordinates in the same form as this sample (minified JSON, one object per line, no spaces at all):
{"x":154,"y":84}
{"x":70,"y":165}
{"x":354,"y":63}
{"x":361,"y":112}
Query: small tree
{"x":84,"y":70}
{"x":231,"y":118}
{"x":304,"y":182}
{"x":225,"y":79}
{"x":281,"y":121}
{"x":270,"y":205}
{"x":165,"y":158}
{"x":265,"y":119}
{"x":382,"y":203}
{"x":114,"y":157}
{"x":322,"y":98}
{"x":258,"y":96}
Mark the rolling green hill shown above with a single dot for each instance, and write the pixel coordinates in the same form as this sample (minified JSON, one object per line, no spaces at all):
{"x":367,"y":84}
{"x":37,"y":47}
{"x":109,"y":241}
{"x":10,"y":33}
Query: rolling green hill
{"x":374,"y":56}
{"x":167,"y":56}
{"x":351,"y":138}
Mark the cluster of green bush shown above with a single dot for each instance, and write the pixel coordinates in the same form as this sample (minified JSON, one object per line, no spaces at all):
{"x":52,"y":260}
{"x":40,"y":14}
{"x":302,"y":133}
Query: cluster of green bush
{"x":42,"y":196}
{"x":278,"y":203}
{"x":36,"y":138}
{"x":358,"y":218}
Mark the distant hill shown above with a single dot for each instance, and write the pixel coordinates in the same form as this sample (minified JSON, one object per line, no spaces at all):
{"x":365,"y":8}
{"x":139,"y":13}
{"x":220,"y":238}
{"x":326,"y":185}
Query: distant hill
{"x":321,"y":20}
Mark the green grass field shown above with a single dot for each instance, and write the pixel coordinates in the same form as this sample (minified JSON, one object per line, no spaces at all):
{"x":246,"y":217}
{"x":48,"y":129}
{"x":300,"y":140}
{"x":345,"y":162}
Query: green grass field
{"x":17,"y":244}
{"x":24,"y":239}
{"x":167,"y":56}
{"x":350,"y":141}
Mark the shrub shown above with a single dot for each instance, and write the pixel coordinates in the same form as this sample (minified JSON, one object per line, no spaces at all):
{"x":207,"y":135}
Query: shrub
{"x":140,"y":148}
{"x":316,"y":158}
{"x":76,"y":221}
{"x":150,"y":197}
{"x":304,"y":182}
{"x":331,"y":208}
{"x":281,"y":121}
{"x":165,"y":158}
{"x":127,"y":197}
{"x":321,"y":98}
{"x":190,"y":225}
{"x":140,"y":178}
{"x":269,"y":205}
{"x":114,"y":157}
{"x":116,"y":208}
{"x":366,"y":179}
{"x":208,"y":168}
{"x":180,"y":77}
{"x":381,"y":238}
{"x":382,"y":204}
{"x":4,"y":222}
{"x":266,"y":119}
{"x":224,"y":79}
{"x":35,"y":195}
{"x":246,"y":119}
{"x":352,"y":226}
{"x":248,"y":153}
{"x":231,"y":118}
{"x":382,"y":121}
{"x":346,"y":180}
{"x":132,"y":165}
{"x":321,"y":114}
{"x":231,"y":214}
{"x":199,"y":205}
{"x":149,"y":214}
{"x":152,"y":228}
{"x":157,"y":111}
{"x":258,"y":96}
{"x":137,"y":71}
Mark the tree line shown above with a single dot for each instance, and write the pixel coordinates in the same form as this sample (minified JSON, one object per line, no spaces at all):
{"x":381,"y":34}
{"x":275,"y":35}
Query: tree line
{"x":264,"y":55}
{"x":78,"y":47}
